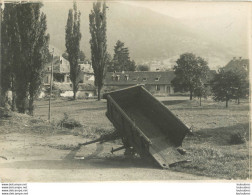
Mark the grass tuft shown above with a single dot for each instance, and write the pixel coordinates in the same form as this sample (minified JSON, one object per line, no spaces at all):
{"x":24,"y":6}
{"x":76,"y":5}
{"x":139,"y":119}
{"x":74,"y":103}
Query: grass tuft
{"x":237,"y":138}
{"x":69,"y":123}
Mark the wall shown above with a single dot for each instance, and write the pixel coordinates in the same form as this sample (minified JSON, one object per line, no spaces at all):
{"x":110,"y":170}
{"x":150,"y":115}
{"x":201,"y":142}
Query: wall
{"x":163,"y":89}
{"x":80,"y":94}
{"x":160,"y":90}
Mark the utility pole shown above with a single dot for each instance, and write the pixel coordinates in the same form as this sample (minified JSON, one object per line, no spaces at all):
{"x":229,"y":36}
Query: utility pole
{"x":51,"y":81}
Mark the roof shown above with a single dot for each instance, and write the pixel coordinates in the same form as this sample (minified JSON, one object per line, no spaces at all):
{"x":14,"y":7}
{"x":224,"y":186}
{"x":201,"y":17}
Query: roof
{"x":237,"y":65}
{"x":87,"y":68}
{"x":60,"y":65}
{"x":133,"y":78}
{"x":67,"y":87}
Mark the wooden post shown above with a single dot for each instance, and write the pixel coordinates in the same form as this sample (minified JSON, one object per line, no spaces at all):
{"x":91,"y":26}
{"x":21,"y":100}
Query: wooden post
{"x":51,"y":81}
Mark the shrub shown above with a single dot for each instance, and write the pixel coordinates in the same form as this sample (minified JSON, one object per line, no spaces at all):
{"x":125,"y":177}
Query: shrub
{"x":237,"y":138}
{"x":69,"y":123}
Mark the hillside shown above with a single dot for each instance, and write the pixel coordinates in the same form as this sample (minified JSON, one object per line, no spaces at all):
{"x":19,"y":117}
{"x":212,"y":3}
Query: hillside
{"x":148,"y":35}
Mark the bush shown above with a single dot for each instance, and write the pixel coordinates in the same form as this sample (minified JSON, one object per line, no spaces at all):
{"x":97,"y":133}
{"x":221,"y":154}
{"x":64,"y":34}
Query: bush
{"x":237,"y":138}
{"x":69,"y":123}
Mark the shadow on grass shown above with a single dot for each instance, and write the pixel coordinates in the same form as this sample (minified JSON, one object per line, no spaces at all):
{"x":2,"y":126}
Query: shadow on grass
{"x":92,"y":109}
{"x":221,"y":135}
{"x":172,"y":102}
{"x":213,"y":107}
{"x":65,"y":102}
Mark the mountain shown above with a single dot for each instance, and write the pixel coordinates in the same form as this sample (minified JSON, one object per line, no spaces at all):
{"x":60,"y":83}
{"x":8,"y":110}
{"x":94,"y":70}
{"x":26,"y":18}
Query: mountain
{"x":150,"y":36}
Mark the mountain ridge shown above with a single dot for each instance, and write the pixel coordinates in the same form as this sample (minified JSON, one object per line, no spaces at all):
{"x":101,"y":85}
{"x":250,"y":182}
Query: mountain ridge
{"x":150,"y":36}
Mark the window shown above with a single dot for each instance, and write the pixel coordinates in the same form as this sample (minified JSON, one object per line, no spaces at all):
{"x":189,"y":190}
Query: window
{"x":157,"y":79}
{"x":46,"y":79}
{"x":144,"y":79}
{"x":157,"y":87}
{"x":126,"y":77}
{"x":117,"y":78}
{"x":169,"y":89}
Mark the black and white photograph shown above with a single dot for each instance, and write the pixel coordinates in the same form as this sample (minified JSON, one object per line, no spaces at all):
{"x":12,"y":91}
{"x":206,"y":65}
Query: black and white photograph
{"x":125,"y":91}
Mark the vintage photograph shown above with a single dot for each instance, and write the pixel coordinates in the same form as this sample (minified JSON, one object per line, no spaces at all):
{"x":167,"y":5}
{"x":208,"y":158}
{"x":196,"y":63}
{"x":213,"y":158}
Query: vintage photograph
{"x":124,"y":91}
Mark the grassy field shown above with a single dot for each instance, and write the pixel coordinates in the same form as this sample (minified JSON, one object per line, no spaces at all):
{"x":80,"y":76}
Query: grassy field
{"x":209,"y":148}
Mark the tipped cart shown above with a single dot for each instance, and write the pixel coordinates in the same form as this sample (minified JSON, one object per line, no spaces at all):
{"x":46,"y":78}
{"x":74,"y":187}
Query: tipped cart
{"x":146,"y":126}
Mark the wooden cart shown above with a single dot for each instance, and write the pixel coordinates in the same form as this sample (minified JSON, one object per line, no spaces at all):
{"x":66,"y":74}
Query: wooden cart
{"x":146,"y":125}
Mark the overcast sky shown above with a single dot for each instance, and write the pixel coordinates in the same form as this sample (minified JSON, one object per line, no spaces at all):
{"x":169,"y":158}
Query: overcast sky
{"x":193,"y":9}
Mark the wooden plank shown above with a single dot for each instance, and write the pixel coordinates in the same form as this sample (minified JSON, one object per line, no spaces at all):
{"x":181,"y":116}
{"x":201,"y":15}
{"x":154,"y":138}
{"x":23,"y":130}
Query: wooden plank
{"x":127,"y":118}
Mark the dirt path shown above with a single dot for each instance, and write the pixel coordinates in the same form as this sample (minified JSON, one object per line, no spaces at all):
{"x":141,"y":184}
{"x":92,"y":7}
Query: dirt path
{"x":35,"y":158}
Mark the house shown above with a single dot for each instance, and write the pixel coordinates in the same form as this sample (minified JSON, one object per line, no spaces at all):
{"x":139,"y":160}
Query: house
{"x":238,"y":65}
{"x":61,"y":72}
{"x":85,"y":90}
{"x":61,"y":78}
{"x":157,"y":83}
{"x":86,"y":74}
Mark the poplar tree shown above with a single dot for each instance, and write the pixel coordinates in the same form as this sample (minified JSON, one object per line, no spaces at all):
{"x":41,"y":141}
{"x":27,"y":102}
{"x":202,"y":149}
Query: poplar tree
{"x":33,"y":46}
{"x":9,"y":51}
{"x":98,"y":43}
{"x":25,"y":44}
{"x":72,"y":38}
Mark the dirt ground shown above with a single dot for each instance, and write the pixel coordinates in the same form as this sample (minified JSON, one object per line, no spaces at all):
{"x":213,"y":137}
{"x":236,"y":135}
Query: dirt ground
{"x":36,"y":158}
{"x":37,"y":151}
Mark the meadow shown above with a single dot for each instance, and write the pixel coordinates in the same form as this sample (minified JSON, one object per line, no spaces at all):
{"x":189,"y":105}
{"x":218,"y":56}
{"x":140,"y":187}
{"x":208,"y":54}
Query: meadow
{"x":210,"y":147}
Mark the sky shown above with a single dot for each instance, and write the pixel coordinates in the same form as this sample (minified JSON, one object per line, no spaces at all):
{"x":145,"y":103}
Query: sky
{"x":193,"y":10}
{"x":222,"y":21}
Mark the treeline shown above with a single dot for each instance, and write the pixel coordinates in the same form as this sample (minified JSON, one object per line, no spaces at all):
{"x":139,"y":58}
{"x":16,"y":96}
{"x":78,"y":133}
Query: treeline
{"x":192,"y":75}
{"x":24,"y":51}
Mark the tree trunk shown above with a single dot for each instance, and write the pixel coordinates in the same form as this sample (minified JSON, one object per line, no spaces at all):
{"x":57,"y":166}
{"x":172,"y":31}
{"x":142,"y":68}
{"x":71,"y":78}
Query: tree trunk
{"x":99,"y":93}
{"x":31,"y":106}
{"x":190,"y":95}
{"x":13,"y":102}
{"x":226,"y":103}
{"x":74,"y":96}
{"x":74,"y":91}
{"x":200,"y":101}
{"x":13,"y":93}
{"x":21,"y":106}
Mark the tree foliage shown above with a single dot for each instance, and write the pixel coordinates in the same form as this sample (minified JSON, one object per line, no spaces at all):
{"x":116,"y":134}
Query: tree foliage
{"x":143,"y":68}
{"x":200,"y":91}
{"x":82,"y":56}
{"x":243,"y":86}
{"x":121,"y":59}
{"x":8,"y":22}
{"x":98,"y":43}
{"x":25,"y":51}
{"x":227,"y":85}
{"x":72,"y":38}
{"x":190,"y":71}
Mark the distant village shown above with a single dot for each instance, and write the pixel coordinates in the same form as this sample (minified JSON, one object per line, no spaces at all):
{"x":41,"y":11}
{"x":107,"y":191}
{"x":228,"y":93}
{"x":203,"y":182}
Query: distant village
{"x":157,"y":82}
